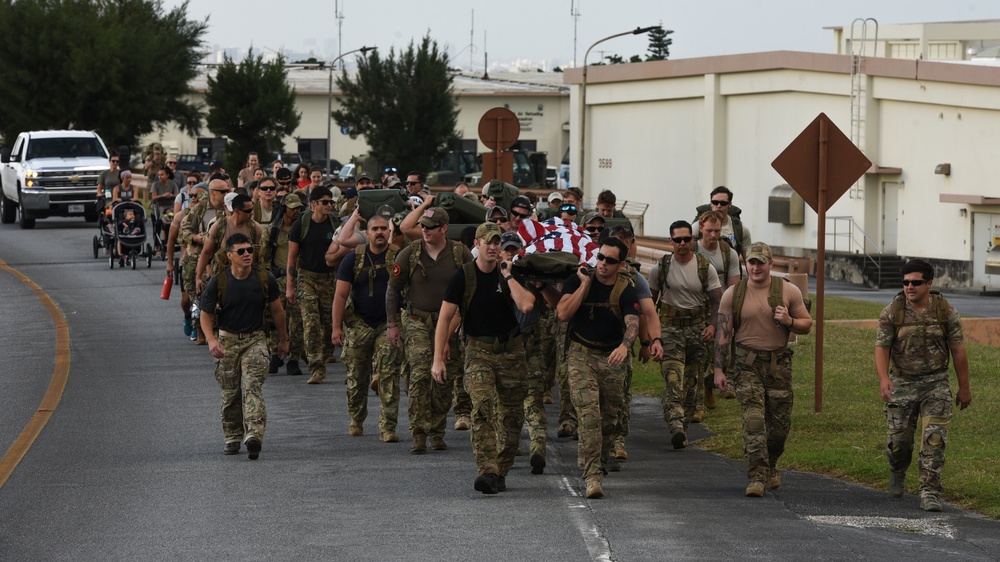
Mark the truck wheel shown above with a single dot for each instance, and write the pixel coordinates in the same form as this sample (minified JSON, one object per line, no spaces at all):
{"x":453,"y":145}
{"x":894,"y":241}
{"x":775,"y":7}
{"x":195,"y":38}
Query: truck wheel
{"x":8,"y":210}
{"x":27,"y":221}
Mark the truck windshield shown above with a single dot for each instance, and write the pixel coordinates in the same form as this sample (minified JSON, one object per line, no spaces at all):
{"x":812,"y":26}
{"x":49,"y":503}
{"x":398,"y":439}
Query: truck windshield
{"x":65,"y":148}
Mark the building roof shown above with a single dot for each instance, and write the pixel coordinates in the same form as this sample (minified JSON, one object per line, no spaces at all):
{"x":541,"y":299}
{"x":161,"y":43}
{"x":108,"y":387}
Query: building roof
{"x":315,"y":81}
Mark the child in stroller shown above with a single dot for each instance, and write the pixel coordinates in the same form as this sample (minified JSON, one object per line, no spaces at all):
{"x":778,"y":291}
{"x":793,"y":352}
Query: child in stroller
{"x":130,"y":234}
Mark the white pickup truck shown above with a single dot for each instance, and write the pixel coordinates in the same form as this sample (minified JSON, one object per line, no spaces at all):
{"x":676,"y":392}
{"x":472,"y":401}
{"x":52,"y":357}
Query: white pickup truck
{"x":51,"y":173}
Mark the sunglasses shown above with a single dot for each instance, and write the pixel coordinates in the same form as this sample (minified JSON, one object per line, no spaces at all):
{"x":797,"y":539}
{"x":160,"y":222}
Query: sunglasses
{"x":390,"y":170}
{"x":247,"y":211}
{"x":171,"y":163}
{"x":720,"y":202}
{"x":241,"y":251}
{"x":609,"y":260}
{"x":914,"y":282}
{"x":115,"y":160}
{"x":267,"y":188}
{"x":595,"y":229}
{"x":519,"y":215}
{"x":191,"y":182}
{"x":499,"y":220}
{"x":425,"y":227}
{"x":682,"y":239}
{"x":325,"y":202}
{"x":568,"y":209}
{"x":412,"y":183}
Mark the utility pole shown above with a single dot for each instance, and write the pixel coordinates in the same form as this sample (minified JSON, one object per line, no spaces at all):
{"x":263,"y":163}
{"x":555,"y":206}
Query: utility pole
{"x":472,"y":42}
{"x":574,"y":10}
{"x":338,"y":12}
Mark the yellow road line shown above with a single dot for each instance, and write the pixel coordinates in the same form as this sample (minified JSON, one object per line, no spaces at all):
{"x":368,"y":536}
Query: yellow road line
{"x":60,"y":374}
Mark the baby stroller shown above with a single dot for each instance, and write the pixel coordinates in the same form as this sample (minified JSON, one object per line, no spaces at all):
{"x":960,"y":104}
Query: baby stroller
{"x":105,"y":237}
{"x":163,"y":215}
{"x":131,"y":235}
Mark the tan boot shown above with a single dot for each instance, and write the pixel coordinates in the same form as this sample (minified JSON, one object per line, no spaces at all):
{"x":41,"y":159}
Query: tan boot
{"x":355,"y":430}
{"x":419,"y":445}
{"x":316,"y":378}
{"x":698,"y":417}
{"x":594,"y":490}
{"x":547,"y":397}
{"x":438,"y":444}
{"x":201,"y":336}
{"x":755,"y":489}
{"x":462,"y":423}
{"x":774,"y":482}
{"x":619,"y":449}
{"x":389,"y":437}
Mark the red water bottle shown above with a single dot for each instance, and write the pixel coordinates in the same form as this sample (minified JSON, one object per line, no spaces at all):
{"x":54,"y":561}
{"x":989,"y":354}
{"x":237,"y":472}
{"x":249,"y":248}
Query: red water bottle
{"x":168,"y":284}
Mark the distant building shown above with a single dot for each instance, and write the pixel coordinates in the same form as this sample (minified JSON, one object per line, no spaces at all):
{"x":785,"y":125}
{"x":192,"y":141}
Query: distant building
{"x":668,"y":132}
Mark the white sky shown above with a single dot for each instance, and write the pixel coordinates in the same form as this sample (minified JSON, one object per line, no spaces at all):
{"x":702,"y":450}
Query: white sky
{"x":540,"y":31}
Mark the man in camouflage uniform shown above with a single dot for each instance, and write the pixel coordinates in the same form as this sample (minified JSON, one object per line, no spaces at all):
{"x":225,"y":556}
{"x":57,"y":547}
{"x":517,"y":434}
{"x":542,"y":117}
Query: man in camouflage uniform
{"x":762,"y":361}
{"x":363,"y":277}
{"x":486,"y":294}
{"x":274,"y":256}
{"x":198,"y":220}
{"x":916,"y":334}
{"x":199,"y":192}
{"x":311,"y":278}
{"x":423,"y":269}
{"x":603,"y":315}
{"x":241,"y":351}
{"x":681,"y":292}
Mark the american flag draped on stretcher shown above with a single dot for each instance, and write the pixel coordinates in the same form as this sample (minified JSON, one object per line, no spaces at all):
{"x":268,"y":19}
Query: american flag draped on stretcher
{"x":557,"y":235}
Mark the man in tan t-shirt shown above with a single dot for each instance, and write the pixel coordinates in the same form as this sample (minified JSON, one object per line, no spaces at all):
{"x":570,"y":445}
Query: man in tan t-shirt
{"x":681,"y":284}
{"x":762,"y":361}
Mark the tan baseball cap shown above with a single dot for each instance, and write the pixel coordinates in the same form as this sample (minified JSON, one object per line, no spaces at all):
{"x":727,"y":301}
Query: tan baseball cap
{"x":759,"y":251}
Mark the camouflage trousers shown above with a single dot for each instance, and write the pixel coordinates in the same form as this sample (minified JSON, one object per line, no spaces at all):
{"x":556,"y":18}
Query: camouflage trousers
{"x":625,"y":414}
{"x":293,"y":321}
{"x":497,"y":383}
{"x":315,"y":298}
{"x":681,"y":367}
{"x":241,"y":374}
{"x":567,"y":413}
{"x":367,"y":351}
{"x":764,"y":390}
{"x":189,"y":266}
{"x":928,"y":399}
{"x":429,"y":400}
{"x":461,"y":402}
{"x":534,"y":407}
{"x":596,"y":391}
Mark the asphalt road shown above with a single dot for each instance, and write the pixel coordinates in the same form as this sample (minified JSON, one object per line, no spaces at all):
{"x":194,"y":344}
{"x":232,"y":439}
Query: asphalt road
{"x":130,"y":466}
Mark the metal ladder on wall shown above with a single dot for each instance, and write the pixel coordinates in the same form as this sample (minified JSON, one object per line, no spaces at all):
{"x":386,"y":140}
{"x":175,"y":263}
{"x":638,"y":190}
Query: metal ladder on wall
{"x":858,"y":89}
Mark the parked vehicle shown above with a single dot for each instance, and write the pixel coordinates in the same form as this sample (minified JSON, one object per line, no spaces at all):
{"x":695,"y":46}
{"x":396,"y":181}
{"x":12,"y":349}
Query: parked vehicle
{"x":192,"y":162}
{"x":51,"y":173}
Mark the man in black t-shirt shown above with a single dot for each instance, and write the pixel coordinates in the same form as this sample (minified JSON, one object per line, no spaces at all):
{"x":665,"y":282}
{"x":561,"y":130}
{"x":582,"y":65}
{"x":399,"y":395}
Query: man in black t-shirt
{"x":311,"y":280}
{"x":603,"y":313}
{"x":363,"y":278}
{"x":495,"y":372}
{"x":240,"y":352}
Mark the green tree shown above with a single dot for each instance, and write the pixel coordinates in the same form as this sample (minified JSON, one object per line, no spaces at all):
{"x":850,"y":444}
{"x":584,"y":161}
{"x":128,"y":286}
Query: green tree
{"x":659,"y":44}
{"x":119,"y":67}
{"x":403,"y":105}
{"x":252,"y":105}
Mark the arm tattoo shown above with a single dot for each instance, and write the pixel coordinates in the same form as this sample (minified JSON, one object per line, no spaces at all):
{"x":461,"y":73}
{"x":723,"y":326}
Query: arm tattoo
{"x":392,"y":306}
{"x":631,"y":330}
{"x":715,"y":296}
{"x":723,"y":335}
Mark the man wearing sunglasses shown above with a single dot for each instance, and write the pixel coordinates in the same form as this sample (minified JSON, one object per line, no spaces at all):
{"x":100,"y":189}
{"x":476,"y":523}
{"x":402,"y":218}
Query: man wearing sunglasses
{"x":916,"y":335}
{"x":756,"y":317}
{"x":241,"y":349}
{"x":274,"y":256}
{"x":681,"y":284}
{"x":520,"y":210}
{"x":425,"y":276}
{"x":311,"y":278}
{"x":240,"y":221}
{"x":593,"y":222}
{"x":603,"y":314}
{"x":733,"y":230}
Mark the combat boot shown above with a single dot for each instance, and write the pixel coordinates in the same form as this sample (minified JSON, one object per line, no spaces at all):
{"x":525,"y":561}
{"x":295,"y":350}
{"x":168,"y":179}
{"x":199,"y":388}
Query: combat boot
{"x":710,"y":402}
{"x":698,"y":417}
{"x":537,"y":462}
{"x":594,"y":490}
{"x":755,"y":489}
{"x":566,"y":430}
{"x":419,"y":445}
{"x":547,"y":397}
{"x":678,"y":439}
{"x":355,"y":430}
{"x":438,"y":444}
{"x":501,"y":483}
{"x":611,"y":465}
{"x":292,"y":368}
{"x":729,"y":394}
{"x":462,"y":422}
{"x":200,"y":337}
{"x":253,"y":447}
{"x":619,"y":449}
{"x":389,"y":437}
{"x":374,"y":385}
{"x":897,"y":484}
{"x":486,"y":483}
{"x":930,"y":503}
{"x":315,"y":378}
{"x":774,"y":481}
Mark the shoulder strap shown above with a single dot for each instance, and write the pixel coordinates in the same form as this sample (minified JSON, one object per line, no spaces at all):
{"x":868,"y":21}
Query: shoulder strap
{"x":703,"y":265}
{"x":458,"y":252}
{"x":939,"y":303}
{"x":661,"y":279}
{"x":470,"y":285}
{"x":739,"y":294}
{"x":416,"y":247}
{"x":360,"y":255}
{"x":727,"y":259}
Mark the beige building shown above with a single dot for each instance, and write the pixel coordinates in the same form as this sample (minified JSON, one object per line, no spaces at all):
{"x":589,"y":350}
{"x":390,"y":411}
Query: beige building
{"x":540,"y":100}
{"x":668,"y":132}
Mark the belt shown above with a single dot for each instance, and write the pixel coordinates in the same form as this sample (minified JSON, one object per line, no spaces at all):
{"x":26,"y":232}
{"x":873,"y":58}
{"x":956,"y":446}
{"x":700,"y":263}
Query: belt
{"x":314,"y":275}
{"x":429,"y":318}
{"x":496,"y":344}
{"x":240,"y":335}
{"x":754,"y":354}
{"x":586,"y":349}
{"x":683,"y":321}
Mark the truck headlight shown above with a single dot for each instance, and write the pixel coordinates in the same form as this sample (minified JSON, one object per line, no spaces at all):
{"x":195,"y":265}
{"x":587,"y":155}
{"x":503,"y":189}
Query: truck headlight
{"x":31,"y":174}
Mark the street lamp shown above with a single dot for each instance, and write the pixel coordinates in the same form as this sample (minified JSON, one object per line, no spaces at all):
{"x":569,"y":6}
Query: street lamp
{"x":329,"y":104}
{"x":583,"y":93}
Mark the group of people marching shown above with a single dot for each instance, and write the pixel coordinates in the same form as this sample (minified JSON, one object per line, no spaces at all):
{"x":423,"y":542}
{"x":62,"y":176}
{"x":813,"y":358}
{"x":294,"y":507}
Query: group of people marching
{"x":276,"y":274}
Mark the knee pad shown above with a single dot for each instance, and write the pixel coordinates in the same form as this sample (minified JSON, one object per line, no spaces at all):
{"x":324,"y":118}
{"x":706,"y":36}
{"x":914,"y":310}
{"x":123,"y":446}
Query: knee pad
{"x":755,"y":420}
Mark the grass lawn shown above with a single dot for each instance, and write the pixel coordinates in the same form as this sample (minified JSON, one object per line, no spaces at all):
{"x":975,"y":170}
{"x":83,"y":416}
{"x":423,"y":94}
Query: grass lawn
{"x":848,"y":439}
